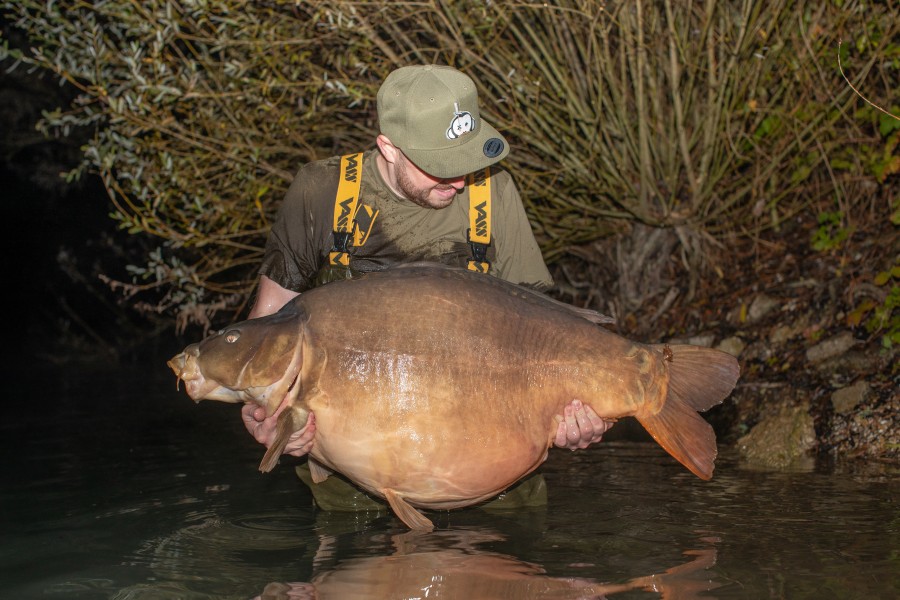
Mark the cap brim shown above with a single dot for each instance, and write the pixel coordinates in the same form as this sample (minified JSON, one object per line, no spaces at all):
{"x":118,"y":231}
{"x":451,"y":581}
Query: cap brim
{"x":474,"y":153}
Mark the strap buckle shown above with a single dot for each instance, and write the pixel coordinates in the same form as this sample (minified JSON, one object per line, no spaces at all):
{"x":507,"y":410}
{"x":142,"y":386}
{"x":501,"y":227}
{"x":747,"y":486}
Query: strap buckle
{"x":479,"y":261}
{"x":339,"y":257}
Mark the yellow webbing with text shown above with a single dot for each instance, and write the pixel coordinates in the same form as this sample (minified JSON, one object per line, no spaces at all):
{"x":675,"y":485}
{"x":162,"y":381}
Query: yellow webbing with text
{"x":345,"y":207}
{"x":479,"y":233}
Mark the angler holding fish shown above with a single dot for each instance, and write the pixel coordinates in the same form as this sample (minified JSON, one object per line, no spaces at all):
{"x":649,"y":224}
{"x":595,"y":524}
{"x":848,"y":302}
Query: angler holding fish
{"x":421,"y":404}
{"x":429,"y":191}
{"x":433,"y":385}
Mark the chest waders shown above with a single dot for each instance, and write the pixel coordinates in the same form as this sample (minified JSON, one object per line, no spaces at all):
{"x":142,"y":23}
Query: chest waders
{"x":353,"y":221}
{"x":351,"y":224}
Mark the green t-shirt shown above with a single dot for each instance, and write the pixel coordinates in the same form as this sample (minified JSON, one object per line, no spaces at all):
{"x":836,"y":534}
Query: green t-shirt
{"x":301,"y":237}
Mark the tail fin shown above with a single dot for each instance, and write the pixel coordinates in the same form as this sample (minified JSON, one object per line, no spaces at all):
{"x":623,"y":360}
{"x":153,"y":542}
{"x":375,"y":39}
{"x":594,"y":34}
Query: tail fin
{"x":699,"y":378}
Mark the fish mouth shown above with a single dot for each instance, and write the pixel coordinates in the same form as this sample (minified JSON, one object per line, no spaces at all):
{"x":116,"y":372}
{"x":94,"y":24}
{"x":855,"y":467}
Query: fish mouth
{"x":187,"y":370}
{"x":177,"y":363}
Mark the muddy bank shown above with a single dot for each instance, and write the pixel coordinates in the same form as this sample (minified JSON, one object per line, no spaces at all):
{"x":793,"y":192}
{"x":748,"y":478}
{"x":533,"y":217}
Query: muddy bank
{"x":816,"y":382}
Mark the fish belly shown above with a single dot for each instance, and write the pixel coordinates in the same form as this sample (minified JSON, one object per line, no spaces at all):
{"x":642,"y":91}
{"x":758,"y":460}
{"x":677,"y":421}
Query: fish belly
{"x":444,"y":388}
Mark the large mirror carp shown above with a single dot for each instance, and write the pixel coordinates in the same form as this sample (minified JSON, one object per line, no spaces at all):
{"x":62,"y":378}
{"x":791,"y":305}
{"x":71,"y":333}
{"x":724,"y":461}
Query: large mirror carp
{"x":436,"y":388}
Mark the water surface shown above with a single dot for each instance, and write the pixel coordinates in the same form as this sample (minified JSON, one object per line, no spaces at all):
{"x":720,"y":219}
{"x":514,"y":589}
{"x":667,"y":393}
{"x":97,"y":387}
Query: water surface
{"x":118,"y":486}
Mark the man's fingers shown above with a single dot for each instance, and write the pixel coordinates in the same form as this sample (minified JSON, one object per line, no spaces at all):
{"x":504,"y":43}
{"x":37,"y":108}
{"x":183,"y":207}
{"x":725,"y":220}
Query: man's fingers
{"x":572,"y":432}
{"x":585,"y":424}
{"x":301,"y":441}
{"x":300,"y":450}
{"x":561,"y":430}
{"x":598,"y":425}
{"x":579,"y":426}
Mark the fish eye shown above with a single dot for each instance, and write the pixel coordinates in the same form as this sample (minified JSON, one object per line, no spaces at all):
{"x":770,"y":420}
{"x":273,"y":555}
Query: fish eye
{"x":232,"y":336}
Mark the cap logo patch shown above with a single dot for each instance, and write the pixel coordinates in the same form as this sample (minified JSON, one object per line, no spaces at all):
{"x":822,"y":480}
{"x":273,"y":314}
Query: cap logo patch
{"x":463,"y":122}
{"x":493,"y":147}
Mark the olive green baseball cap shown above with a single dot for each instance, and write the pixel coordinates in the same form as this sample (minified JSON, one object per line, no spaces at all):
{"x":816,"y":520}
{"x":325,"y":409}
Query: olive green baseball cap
{"x":431,"y":113}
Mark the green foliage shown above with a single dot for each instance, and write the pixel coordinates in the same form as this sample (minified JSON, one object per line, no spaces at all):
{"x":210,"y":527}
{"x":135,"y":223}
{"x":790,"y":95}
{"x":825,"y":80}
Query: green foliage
{"x":202,"y":113}
{"x":882,"y":316}
{"x":707,"y":119}
{"x":831,"y":233}
{"x":876,"y":151}
{"x":879,"y":154}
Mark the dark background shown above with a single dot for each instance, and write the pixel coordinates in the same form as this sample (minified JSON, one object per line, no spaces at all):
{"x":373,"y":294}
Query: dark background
{"x":59,"y":238}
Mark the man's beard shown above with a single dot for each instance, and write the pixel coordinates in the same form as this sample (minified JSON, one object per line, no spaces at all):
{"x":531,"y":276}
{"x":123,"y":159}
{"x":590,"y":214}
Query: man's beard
{"x":417,"y":195}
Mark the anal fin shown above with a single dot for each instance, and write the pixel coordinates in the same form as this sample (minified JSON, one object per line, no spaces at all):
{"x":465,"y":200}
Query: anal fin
{"x":406,"y":512}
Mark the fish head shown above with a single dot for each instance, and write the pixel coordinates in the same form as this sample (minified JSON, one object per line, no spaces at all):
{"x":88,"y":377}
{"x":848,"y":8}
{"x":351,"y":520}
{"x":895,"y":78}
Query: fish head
{"x":257,"y":360}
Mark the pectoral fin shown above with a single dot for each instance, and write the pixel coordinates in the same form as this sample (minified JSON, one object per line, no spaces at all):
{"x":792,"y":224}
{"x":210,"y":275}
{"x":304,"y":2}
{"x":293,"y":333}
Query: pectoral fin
{"x":406,"y":512}
{"x":284,"y":428}
{"x":318,"y":472}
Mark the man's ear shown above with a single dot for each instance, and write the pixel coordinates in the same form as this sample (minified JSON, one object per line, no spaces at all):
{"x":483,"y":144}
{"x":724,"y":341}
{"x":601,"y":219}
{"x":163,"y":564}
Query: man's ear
{"x":389,"y":151}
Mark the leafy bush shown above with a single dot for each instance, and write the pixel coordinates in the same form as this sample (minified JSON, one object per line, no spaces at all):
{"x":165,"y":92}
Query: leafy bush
{"x":697,"y":122}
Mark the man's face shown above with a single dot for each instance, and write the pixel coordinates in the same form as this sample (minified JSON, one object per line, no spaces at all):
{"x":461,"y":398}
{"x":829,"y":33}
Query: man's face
{"x":423,"y":189}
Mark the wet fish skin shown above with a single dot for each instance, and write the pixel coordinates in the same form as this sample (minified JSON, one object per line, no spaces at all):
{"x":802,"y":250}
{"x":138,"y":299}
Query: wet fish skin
{"x":254,"y":361}
{"x":437,"y":388}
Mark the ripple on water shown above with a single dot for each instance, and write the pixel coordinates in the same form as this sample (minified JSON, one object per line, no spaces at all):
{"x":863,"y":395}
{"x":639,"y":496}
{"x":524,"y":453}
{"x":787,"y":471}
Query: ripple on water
{"x":217,"y":555}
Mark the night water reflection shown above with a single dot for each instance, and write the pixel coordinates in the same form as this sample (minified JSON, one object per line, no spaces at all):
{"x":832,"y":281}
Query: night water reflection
{"x":117,"y":486}
{"x":448,"y":564}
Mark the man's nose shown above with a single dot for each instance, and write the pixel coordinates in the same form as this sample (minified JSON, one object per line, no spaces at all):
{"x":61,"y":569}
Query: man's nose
{"x":457,"y":182}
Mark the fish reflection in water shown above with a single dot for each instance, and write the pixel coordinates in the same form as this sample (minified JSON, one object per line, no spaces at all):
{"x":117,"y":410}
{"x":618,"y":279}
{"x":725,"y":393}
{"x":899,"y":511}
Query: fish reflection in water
{"x":448,"y":565}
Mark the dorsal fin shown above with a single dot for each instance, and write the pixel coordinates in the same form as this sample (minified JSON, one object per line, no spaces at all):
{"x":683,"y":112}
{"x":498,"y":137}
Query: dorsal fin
{"x":520,"y":290}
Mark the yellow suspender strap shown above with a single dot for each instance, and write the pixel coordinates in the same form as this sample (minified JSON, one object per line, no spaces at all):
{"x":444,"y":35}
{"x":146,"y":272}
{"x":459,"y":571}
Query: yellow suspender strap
{"x":345,"y":206}
{"x":479,"y":233}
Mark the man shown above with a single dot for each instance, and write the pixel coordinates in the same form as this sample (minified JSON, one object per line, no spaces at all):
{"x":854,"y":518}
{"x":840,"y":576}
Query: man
{"x":415,"y":202}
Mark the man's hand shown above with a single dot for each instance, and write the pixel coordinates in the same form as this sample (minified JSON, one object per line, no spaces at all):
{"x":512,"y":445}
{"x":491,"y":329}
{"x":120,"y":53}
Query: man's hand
{"x":579,"y":427}
{"x":263,"y":429}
